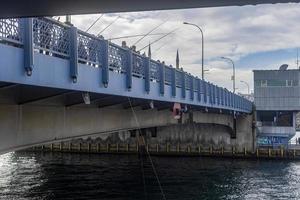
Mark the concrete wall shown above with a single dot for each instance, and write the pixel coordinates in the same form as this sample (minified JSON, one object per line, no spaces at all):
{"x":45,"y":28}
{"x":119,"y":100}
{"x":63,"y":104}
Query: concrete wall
{"x":190,"y":133}
{"x":28,"y":125}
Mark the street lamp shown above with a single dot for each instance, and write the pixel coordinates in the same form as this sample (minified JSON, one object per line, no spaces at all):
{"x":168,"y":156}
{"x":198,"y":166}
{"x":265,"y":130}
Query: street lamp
{"x":187,"y":23}
{"x":247,"y":86}
{"x":233,"y":72}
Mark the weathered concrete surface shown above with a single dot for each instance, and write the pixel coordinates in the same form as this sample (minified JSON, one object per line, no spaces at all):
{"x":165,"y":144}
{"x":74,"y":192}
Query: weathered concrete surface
{"x":28,"y":125}
{"x":204,"y":131}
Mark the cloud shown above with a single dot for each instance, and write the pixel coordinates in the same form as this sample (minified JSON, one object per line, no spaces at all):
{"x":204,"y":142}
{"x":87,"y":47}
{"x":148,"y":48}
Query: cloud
{"x":235,"y":32}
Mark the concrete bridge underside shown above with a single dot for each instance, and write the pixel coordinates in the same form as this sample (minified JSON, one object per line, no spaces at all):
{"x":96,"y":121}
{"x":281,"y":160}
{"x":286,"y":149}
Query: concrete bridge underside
{"x":32,"y":115}
{"x":57,"y":7}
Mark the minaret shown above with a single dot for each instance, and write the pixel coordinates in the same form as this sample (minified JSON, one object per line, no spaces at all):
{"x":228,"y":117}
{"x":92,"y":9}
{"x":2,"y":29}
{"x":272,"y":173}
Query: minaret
{"x":149,"y":51}
{"x":177,"y":60}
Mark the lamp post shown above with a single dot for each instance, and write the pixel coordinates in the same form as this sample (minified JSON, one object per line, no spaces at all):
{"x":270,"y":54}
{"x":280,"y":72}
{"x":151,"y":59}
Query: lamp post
{"x":247,"y":86}
{"x":187,"y":23}
{"x":233,"y":72}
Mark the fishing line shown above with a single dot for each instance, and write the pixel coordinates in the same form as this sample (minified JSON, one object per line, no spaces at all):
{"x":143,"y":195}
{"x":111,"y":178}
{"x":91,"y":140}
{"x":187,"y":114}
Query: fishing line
{"x":149,"y":156}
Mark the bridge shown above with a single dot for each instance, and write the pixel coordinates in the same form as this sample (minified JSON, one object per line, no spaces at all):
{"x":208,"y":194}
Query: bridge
{"x":58,"y":82}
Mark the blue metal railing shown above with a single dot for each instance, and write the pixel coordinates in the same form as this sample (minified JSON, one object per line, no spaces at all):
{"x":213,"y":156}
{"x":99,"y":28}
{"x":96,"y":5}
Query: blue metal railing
{"x":53,"y":38}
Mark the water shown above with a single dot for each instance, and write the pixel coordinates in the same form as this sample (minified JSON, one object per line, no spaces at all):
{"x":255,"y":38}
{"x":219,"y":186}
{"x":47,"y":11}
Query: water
{"x":82,"y":176}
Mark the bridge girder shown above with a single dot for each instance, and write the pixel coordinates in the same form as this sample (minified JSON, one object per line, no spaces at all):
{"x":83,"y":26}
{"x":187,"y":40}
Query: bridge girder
{"x":56,"y":7}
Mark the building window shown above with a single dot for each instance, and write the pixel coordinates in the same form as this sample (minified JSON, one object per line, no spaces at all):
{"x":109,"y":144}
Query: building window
{"x":276,"y":83}
{"x":263,"y":83}
{"x":289,"y":83}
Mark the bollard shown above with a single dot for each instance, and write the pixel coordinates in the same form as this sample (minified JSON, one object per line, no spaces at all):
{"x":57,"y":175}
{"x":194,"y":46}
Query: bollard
{"x":294,"y":153}
{"x":245,"y":151}
{"x":233,"y":150}
{"x":98,"y":147}
{"x":257,"y":153}
{"x":89,"y":147}
{"x":60,"y":146}
{"x":199,"y":149}
{"x":281,"y":152}
{"x":107,"y":147}
{"x":269,"y":152}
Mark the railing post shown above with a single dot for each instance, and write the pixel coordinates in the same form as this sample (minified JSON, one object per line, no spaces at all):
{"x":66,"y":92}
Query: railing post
{"x":73,"y":53}
{"x":204,"y":86}
{"x":173,"y":81}
{"x":104,"y":64}
{"x":210,"y":91}
{"x":199,"y":88}
{"x":162,"y":79}
{"x":183,"y":86}
{"x":147,"y":74}
{"x":129,"y":70}
{"x":192,"y":87}
{"x":28,"y":46}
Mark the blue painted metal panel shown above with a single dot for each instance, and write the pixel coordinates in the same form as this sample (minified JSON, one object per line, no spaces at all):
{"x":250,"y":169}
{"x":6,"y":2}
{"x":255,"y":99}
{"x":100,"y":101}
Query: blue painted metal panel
{"x":183,"y":86}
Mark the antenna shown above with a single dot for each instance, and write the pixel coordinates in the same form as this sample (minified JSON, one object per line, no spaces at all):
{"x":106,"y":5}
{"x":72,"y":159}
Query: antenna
{"x":150,"y":32}
{"x":159,"y":39}
{"x":87,"y":30}
{"x":108,"y":26}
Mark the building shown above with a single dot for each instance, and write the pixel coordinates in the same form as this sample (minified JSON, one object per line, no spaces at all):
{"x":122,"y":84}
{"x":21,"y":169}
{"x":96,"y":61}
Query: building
{"x":277,"y":100}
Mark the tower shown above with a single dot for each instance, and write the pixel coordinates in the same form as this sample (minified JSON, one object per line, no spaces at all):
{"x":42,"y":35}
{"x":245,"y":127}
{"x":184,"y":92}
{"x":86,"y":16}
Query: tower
{"x":149,"y":51}
{"x":177,"y":60}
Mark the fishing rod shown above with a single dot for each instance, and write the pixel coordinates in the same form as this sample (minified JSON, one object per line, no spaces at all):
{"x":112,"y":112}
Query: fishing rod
{"x":87,"y":30}
{"x":159,"y":38}
{"x":161,"y":46}
{"x":108,"y":26}
{"x":132,"y":36}
{"x":149,"y":32}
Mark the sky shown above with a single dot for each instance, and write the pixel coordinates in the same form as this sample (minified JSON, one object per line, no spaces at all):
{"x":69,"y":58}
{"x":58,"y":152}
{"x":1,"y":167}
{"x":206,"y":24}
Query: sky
{"x":254,"y":37}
